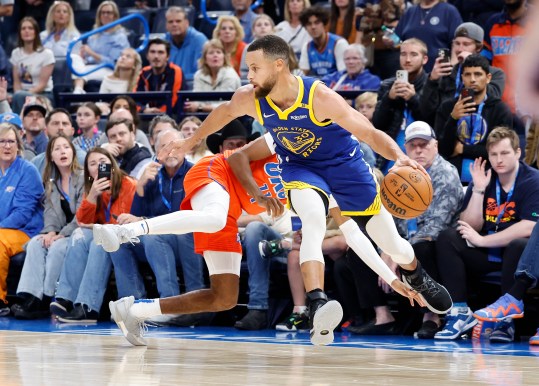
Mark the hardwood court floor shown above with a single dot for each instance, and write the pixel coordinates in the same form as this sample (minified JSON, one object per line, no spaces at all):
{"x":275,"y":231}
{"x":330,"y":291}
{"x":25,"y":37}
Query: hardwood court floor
{"x":45,"y":353}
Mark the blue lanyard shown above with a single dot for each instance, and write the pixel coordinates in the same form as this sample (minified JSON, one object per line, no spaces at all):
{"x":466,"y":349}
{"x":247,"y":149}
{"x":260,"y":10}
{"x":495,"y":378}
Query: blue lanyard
{"x":458,"y":81}
{"x":475,"y":121}
{"x":107,"y":211}
{"x":498,"y":200}
{"x":163,"y":198}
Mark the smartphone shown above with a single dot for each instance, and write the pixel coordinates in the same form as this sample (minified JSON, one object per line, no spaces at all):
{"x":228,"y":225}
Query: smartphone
{"x":104,"y":171}
{"x":445,"y":54}
{"x":468,"y":92}
{"x":402,"y":76}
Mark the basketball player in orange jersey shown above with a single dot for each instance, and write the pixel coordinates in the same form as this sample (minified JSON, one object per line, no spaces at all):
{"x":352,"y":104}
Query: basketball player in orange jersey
{"x":214,"y":200}
{"x":321,"y":168}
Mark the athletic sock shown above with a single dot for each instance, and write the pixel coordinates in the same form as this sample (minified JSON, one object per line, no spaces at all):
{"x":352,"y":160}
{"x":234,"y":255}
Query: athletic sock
{"x":146,"y":308}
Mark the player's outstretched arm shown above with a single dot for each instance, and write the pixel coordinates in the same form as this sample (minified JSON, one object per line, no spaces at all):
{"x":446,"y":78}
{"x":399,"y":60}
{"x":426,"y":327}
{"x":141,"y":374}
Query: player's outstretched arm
{"x":330,"y":105}
{"x":242,"y":103}
{"x":239,"y":163}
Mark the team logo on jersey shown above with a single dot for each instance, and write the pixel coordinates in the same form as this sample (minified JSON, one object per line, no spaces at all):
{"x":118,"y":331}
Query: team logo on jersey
{"x":298,"y":140}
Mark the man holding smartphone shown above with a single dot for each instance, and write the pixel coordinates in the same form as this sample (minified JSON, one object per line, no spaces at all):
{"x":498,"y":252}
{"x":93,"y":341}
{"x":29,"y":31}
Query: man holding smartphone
{"x":398,"y":98}
{"x":462,"y":125}
{"x":444,"y":81}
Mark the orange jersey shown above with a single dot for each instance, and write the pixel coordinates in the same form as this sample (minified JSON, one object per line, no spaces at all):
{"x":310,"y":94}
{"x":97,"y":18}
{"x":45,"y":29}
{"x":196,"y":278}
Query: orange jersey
{"x":216,"y":169}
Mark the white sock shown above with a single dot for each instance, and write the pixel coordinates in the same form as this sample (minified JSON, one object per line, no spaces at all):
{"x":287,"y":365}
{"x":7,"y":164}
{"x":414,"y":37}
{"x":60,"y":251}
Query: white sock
{"x":146,"y":308}
{"x":300,"y":309}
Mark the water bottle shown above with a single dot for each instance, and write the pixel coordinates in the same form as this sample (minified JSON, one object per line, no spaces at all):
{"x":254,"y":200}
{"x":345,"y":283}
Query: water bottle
{"x":391,"y":35}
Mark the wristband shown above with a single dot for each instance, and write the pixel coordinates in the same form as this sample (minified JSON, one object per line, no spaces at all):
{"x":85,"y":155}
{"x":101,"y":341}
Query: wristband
{"x":478,"y":191}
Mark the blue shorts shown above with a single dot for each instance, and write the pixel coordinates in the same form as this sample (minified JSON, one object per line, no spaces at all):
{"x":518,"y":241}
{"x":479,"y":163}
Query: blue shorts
{"x":351,"y":183}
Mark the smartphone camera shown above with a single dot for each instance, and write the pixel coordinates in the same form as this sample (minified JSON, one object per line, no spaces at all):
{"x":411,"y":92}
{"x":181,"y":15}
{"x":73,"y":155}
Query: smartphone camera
{"x":445,"y":54}
{"x":402,"y":76}
{"x":104,"y":171}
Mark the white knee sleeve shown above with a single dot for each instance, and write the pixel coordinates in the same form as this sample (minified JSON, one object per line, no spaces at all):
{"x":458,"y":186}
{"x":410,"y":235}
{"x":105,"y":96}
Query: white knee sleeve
{"x":223,"y":262}
{"x":311,"y":210}
{"x":382,"y":230}
{"x":210,"y":209}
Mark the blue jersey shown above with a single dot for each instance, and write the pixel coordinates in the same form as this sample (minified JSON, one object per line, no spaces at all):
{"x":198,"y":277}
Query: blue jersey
{"x":323,"y":62}
{"x":319,"y":155}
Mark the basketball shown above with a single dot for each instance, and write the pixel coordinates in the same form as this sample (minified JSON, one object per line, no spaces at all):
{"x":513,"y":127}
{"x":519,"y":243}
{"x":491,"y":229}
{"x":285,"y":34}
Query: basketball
{"x":406,"y":192}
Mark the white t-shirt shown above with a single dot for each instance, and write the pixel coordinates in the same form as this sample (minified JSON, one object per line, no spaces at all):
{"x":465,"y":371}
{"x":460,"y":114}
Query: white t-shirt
{"x":31,"y":65}
{"x":296,"y":37}
{"x":113,"y":86}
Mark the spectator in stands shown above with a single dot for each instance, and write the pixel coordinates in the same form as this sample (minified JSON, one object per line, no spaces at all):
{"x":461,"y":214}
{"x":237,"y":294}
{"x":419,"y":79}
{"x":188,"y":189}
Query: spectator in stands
{"x":158,"y":124}
{"x":421,"y":232}
{"x":324,"y":54}
{"x":383,"y":56}
{"x":104,"y":47}
{"x":160,"y":75}
{"x":4,"y":104}
{"x":125,"y":76}
{"x":58,"y":121}
{"x":187,"y":127}
{"x":64,"y":181}
{"x":185,"y":41}
{"x":85,"y":273}
{"x":88,"y":115}
{"x":246,"y":17}
{"x":160,"y":191}
{"x":365,"y":103}
{"x":232,"y":136}
{"x":259,"y":228}
{"x":131,"y":157}
{"x":511,"y":305}
{"x":445,"y":83}
{"x":432,"y":21}
{"x":463,"y":125}
{"x":21,"y":213}
{"x":230,"y":32}
{"x":32,"y":65}
{"x":262,"y":25}
{"x":33,"y":121}
{"x":505,"y":33}
{"x":125,"y":102}
{"x":398,"y":101}
{"x":500,"y":211}
{"x":60,"y":28}
{"x":342,"y":19}
{"x":215,"y":74}
{"x":355,"y":76}
{"x":291,"y":29}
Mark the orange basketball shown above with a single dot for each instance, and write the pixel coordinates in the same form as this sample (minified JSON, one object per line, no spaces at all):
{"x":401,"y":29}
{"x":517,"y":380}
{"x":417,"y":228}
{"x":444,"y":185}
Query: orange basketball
{"x":406,"y":192}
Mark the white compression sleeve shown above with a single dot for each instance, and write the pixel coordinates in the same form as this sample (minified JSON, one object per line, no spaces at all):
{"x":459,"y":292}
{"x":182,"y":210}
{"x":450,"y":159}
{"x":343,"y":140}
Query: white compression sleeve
{"x":362,"y":246}
{"x":210,"y":208}
{"x":382,"y":230}
{"x":310,"y":208}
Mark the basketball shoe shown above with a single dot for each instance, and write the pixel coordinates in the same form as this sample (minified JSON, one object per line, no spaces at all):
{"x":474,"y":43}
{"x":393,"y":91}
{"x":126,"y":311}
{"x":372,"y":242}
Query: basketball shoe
{"x":270,"y":248}
{"x":433,"y":294}
{"x":503,"y":332}
{"x":324,"y":317}
{"x":506,"y":307}
{"x":132,"y":328}
{"x":534,"y":340}
{"x":457,"y":322}
{"x":295,"y":322}
{"x":110,"y":236}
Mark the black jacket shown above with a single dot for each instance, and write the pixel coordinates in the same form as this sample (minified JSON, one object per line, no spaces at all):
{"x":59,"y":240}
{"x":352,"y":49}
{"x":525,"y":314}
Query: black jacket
{"x":389,"y":113}
{"x":495,"y":112}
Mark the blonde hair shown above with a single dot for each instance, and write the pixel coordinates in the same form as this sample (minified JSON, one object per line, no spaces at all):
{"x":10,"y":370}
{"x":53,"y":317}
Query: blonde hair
{"x":5,"y":128}
{"x":202,"y":147}
{"x":263,"y":16}
{"x":287,"y":17}
{"x":136,"y":70}
{"x":417,"y":42}
{"x":49,"y":23}
{"x":366,"y":97}
{"x":115,"y":10}
{"x":203,"y":64}
{"x":240,"y":33}
{"x":499,"y":133}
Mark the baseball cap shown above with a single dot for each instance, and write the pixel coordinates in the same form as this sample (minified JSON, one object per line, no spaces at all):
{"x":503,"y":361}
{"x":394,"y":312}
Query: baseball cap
{"x":11,"y":118}
{"x":419,"y":129}
{"x":470,"y":30}
{"x":34,"y":106}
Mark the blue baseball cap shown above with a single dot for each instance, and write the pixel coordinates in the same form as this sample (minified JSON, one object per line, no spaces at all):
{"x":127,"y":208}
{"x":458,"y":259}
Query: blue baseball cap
{"x":12,"y":118}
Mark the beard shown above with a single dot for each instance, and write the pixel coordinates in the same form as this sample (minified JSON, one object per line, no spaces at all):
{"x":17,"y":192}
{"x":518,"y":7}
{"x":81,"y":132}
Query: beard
{"x":263,"y":90}
{"x":171,"y":162}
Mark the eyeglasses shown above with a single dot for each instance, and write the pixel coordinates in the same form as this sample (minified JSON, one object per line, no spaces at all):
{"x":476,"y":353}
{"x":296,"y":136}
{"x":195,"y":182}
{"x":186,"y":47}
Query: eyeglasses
{"x":6,"y":142}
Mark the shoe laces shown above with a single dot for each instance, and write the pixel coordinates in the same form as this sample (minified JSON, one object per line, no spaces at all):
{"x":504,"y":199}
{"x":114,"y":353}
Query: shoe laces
{"x":427,"y":286}
{"x":126,"y":235}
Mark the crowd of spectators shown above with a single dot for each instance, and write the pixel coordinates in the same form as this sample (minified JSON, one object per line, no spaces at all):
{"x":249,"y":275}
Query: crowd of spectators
{"x":434,"y":75}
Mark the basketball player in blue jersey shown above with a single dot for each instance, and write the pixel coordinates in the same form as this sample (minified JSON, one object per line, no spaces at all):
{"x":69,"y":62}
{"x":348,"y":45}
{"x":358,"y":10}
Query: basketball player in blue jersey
{"x":309,"y":127}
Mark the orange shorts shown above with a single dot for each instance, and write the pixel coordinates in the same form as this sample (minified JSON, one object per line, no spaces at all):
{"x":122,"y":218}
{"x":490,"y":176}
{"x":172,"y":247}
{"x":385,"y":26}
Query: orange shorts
{"x":208,"y":170}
